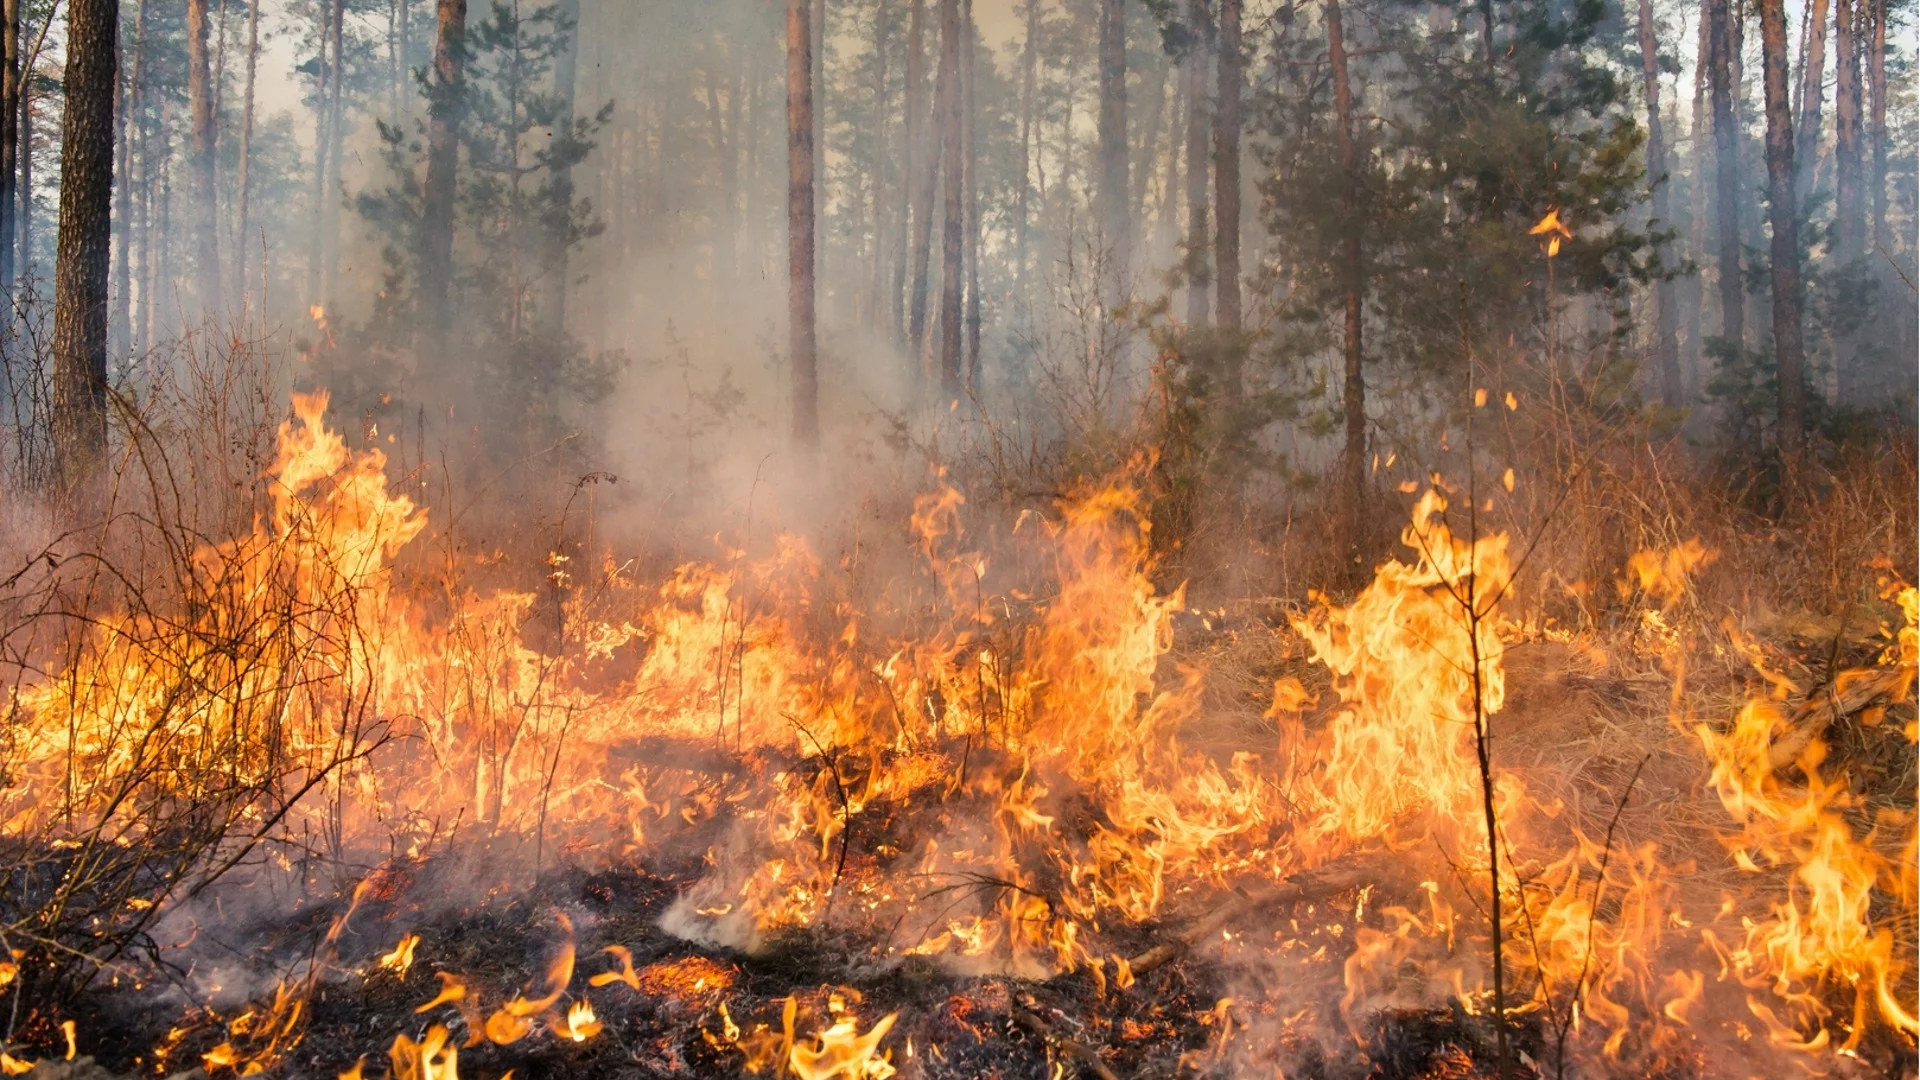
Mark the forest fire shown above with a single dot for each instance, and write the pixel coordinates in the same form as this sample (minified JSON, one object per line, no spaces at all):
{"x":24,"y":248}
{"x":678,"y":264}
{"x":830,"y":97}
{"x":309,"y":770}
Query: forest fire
{"x":990,"y":778}
{"x":853,"y":539}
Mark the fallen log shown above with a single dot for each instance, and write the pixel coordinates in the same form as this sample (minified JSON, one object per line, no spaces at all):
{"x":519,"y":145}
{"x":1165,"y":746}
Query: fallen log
{"x":1849,"y":692}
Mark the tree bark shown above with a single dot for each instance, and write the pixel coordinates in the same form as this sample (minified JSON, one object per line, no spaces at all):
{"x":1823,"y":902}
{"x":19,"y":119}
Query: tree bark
{"x":817,"y":23}
{"x":322,"y":145}
{"x":1110,"y":191}
{"x":443,"y":159}
{"x":1726,"y":138}
{"x":1353,"y":271}
{"x":1806,"y":149}
{"x":878,"y":308}
{"x":929,"y":183}
{"x":206,"y":216}
{"x":800,"y":222}
{"x":336,"y":157}
{"x":910,"y":150}
{"x":970,"y":134}
{"x":86,"y":228}
{"x":119,"y":318}
{"x":1876,"y":48}
{"x":244,"y":182}
{"x":952,"y":233}
{"x":10,"y":136}
{"x":1226,"y":165}
{"x":1783,"y":211}
{"x":1198,"y":131}
{"x":565,"y":71}
{"x":1666,"y":352}
{"x":1029,"y":91}
{"x":1848,"y":216}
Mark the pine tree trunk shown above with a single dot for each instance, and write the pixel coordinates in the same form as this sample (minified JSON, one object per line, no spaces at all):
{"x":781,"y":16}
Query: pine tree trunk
{"x":1698,"y":209}
{"x":119,"y":318}
{"x":10,"y":82}
{"x":1353,"y":270}
{"x":206,"y":220}
{"x":243,"y":183}
{"x":817,"y":23}
{"x":1148,"y":152}
{"x":1166,"y":224}
{"x":565,"y":71}
{"x":971,"y":133}
{"x":1226,"y":185}
{"x":1110,"y":191}
{"x":800,"y":224}
{"x":1783,"y":210}
{"x":316,"y":240}
{"x":1806,"y":151}
{"x":26,"y":169}
{"x":1198,"y":131}
{"x":443,"y":159}
{"x":929,"y":183}
{"x":910,"y":150}
{"x":953,"y":222}
{"x":1029,"y":91}
{"x":877,"y":305}
{"x":336,"y":156}
{"x":86,"y":227}
{"x":1847,"y":210}
{"x":1876,"y":47}
{"x":1726,"y":136}
{"x":1666,"y":352}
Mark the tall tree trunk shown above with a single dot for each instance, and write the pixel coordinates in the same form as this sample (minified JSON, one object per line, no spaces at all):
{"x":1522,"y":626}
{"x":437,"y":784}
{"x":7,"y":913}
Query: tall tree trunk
{"x":27,"y":99}
{"x":953,"y":228}
{"x":1353,"y":270}
{"x":336,"y":156}
{"x":1148,"y":152}
{"x":1694,"y":353}
{"x":1876,"y":48}
{"x":1849,"y":219}
{"x":322,"y":145}
{"x":1726,"y":138}
{"x":10,"y":135}
{"x":1029,"y":91}
{"x":1806,"y":151}
{"x":929,"y":183}
{"x":817,"y":23}
{"x":565,"y":71}
{"x":877,"y":306}
{"x":443,"y":158}
{"x":1166,"y":224}
{"x":86,"y":228}
{"x":1197,"y":154}
{"x":725,"y":245}
{"x":1226,"y":165}
{"x":1783,"y":211}
{"x":970,"y":132}
{"x":1666,"y":352}
{"x":243,"y":183}
{"x":119,"y":319}
{"x":206,"y":219}
{"x":1110,"y":190}
{"x":801,"y":342}
{"x":910,"y":150}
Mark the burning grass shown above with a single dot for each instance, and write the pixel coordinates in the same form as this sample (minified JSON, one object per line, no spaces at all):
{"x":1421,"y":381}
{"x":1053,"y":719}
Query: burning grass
{"x":999,"y":801}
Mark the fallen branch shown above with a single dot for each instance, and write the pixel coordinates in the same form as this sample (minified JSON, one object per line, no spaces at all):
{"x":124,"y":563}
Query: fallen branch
{"x":1309,"y":885}
{"x":1847,"y":694}
{"x":1071,"y":1047}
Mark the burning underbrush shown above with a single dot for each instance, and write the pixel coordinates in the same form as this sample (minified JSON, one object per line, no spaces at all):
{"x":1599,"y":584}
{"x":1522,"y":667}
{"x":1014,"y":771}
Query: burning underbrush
{"x":976,"y":808}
